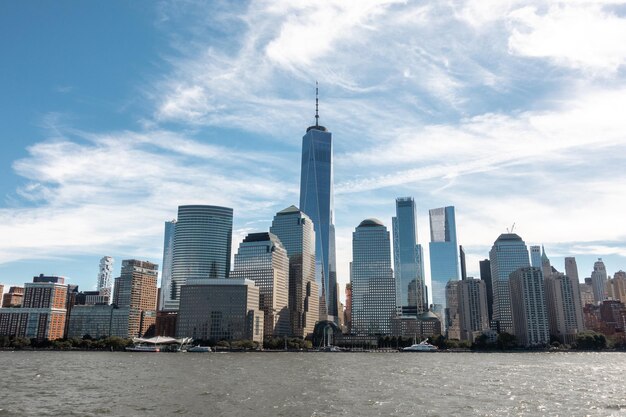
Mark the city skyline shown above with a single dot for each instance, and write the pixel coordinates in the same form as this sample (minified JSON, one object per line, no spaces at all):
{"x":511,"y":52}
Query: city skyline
{"x":98,"y":154}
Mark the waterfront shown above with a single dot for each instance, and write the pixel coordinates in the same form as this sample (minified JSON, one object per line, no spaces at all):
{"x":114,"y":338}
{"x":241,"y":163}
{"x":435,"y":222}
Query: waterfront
{"x":311,"y":384}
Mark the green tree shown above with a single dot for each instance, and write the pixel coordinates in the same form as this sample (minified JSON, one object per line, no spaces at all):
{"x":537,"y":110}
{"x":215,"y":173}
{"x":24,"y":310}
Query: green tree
{"x":590,"y":341}
{"x":506,"y":341}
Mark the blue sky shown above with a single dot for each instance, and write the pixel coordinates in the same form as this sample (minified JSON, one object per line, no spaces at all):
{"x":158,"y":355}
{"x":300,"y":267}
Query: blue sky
{"x":114,"y":113}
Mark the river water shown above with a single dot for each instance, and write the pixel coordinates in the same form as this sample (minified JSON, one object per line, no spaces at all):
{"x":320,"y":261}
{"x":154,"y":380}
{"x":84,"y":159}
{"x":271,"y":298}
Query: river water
{"x":311,"y":384}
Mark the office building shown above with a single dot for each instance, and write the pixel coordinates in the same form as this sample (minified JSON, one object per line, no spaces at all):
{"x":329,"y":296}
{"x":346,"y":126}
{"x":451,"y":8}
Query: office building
{"x":485,"y":275}
{"x":617,"y":286}
{"x":220,"y":309}
{"x":535,"y":256}
{"x":598,"y":281}
{"x":473,"y":312}
{"x":462,"y":262}
{"x":136,"y":290}
{"x":13,"y":298}
{"x":453,"y":320}
{"x":528,"y":307}
{"x":508,"y":254}
{"x":165,"y":295}
{"x":586,"y":293}
{"x":410,"y":288}
{"x":317,"y":201}
{"x":295,"y":231}
{"x":42,"y":315}
{"x":99,"y":320}
{"x":263,"y":260}
{"x":373,"y":286}
{"x":444,"y":264}
{"x":202,"y":247}
{"x":348,"y":311}
{"x":105,"y":277}
{"x":564,"y":312}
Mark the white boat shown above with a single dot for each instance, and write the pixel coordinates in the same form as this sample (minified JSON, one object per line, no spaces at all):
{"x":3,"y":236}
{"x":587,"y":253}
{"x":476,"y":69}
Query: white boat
{"x":143,"y":348}
{"x":421,"y":347}
{"x":200,"y":349}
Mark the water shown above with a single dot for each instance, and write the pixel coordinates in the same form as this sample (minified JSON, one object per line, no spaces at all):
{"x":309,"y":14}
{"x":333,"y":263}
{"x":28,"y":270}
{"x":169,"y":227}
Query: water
{"x":311,"y":384}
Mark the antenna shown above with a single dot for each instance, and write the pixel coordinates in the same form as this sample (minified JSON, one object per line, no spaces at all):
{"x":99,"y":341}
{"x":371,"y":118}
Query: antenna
{"x":512,"y":228}
{"x":317,"y":115}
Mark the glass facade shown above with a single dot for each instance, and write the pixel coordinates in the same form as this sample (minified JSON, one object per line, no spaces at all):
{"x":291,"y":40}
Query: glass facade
{"x":444,"y":255}
{"x":296,"y":233}
{"x":202,"y":246}
{"x":508,"y":254}
{"x":262,"y":259}
{"x":166,"y":271}
{"x":316,"y":200}
{"x":372,"y":283}
{"x":410,"y":291}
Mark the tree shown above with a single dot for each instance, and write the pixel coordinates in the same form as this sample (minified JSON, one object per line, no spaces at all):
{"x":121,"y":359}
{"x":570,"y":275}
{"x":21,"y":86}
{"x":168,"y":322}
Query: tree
{"x":590,"y":341}
{"x":506,"y":341}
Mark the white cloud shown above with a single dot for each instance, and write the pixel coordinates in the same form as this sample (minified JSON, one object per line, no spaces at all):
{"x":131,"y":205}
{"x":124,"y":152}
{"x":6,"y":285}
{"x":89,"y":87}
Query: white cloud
{"x":581,"y":35}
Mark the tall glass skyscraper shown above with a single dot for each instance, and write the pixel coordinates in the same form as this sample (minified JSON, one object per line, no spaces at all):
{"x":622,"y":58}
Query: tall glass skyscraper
{"x":373,"y":286}
{"x":410,"y":291}
{"x":508,"y":254}
{"x":263,"y":259}
{"x":316,"y":200}
{"x":295,"y":231}
{"x":202,"y":246}
{"x":166,"y":272}
{"x":105,"y":278}
{"x":444,"y":255}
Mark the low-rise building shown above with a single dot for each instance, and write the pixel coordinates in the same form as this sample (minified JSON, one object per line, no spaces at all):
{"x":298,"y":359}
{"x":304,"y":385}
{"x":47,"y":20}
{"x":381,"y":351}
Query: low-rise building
{"x":96,"y":321}
{"x":220,"y":309}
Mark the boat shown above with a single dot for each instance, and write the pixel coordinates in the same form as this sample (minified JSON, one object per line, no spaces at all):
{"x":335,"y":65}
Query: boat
{"x":143,"y":348}
{"x":200,"y":349}
{"x":423,"y":346}
{"x":330,"y":348}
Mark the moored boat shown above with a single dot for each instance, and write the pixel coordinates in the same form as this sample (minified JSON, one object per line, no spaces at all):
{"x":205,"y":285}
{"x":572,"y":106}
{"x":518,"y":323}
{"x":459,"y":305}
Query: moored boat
{"x":423,"y":346}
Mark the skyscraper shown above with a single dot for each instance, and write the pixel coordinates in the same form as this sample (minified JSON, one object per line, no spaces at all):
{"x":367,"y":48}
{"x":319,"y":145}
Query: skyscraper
{"x":508,"y":254}
{"x":410,"y":291}
{"x":528,"y":306}
{"x":535,"y":256}
{"x":373,"y":286}
{"x":202,"y":246}
{"x":166,"y":268}
{"x":296,"y":233}
{"x":462,"y":262}
{"x":562,"y":299}
{"x":263,"y":259}
{"x":317,"y":201}
{"x":473,"y":311}
{"x":136,"y":290}
{"x":105,"y":277}
{"x":598,"y":281}
{"x":453,"y":298}
{"x":485,"y":275}
{"x":444,"y":256}
{"x":571,"y":271}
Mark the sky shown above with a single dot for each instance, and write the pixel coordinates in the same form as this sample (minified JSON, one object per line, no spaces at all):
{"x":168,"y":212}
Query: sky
{"x":114,"y":113}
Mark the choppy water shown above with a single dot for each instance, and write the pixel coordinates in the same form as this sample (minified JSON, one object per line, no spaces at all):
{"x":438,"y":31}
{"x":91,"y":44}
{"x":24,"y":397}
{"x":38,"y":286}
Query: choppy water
{"x":311,"y":384}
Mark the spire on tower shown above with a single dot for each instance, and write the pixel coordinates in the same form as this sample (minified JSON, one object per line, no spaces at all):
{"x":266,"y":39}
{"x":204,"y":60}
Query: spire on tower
{"x":317,"y":113}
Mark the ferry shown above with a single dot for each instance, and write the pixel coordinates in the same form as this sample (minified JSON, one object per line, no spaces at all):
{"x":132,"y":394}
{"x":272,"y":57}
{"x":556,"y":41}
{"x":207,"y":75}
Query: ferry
{"x":421,"y":347}
{"x":143,"y":348}
{"x":200,"y":349}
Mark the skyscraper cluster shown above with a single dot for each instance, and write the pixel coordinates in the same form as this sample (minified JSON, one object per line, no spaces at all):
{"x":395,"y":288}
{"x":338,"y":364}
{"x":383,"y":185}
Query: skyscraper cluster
{"x":283,"y":281}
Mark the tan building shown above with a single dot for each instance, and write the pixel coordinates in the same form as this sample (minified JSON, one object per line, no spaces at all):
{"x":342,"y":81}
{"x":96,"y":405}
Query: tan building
{"x":136,"y":289}
{"x":13,"y":298}
{"x":586,"y":293}
{"x":564,"y":310}
{"x":453,"y":324}
{"x":616,"y":287}
{"x":42,"y":315}
{"x":473,"y":310}
{"x":263,"y":259}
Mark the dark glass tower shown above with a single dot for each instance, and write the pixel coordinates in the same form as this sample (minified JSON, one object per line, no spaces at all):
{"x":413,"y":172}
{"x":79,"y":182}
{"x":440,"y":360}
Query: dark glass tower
{"x":410,"y":291}
{"x":316,"y":201}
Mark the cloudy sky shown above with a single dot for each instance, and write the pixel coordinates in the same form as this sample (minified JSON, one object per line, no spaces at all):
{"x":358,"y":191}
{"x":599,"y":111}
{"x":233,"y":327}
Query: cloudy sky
{"x":114,"y":113}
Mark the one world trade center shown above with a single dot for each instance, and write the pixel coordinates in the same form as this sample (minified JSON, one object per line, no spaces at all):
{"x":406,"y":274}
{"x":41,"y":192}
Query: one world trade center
{"x":316,"y":200}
